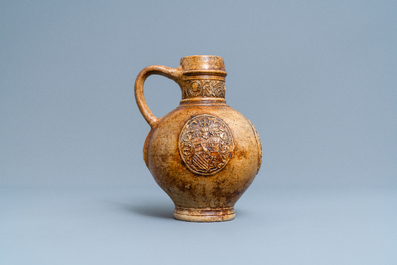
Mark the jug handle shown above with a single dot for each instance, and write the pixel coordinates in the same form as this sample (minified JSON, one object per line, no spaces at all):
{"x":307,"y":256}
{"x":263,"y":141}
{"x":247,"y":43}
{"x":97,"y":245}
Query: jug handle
{"x":171,"y":73}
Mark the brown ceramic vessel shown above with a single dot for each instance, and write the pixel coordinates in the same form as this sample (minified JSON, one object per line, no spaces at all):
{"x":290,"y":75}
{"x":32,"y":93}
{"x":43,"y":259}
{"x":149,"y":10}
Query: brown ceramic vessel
{"x":203,"y":154}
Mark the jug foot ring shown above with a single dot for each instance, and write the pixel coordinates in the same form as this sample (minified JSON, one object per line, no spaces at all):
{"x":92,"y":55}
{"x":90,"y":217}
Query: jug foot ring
{"x":204,"y":214}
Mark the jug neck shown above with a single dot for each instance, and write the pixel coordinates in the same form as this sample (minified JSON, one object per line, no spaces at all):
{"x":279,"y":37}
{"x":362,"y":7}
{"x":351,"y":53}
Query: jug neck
{"x":202,"y":79}
{"x":203,"y":87}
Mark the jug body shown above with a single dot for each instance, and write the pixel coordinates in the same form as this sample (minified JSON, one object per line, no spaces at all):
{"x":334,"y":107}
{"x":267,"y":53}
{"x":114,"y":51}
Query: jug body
{"x":204,"y":154}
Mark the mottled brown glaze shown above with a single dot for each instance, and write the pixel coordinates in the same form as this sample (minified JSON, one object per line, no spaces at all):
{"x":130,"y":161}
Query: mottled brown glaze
{"x":203,"y":154}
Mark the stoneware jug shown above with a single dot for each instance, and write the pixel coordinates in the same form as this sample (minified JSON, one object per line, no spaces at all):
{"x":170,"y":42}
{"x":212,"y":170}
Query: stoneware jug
{"x":203,"y":154}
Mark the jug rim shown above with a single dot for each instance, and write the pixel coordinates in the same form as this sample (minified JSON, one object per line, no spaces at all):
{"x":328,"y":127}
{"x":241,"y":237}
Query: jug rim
{"x":202,"y":55}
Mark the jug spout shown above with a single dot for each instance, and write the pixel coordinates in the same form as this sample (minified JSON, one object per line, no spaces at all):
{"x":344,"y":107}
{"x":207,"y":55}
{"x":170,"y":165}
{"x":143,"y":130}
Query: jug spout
{"x":203,"y":64}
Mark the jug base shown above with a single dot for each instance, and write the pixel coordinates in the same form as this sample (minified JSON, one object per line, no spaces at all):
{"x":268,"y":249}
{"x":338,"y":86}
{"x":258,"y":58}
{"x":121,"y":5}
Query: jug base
{"x":204,"y":214}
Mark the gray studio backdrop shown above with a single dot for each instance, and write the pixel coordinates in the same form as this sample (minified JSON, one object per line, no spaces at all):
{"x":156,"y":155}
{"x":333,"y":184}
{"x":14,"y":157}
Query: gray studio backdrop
{"x":317,"y":78}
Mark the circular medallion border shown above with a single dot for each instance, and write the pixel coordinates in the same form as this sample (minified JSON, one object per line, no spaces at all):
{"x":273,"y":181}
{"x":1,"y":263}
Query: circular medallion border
{"x":205,"y":144}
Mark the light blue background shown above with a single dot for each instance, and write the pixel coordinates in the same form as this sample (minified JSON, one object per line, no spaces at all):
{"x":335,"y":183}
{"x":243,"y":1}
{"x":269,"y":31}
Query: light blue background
{"x":317,"y":78}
